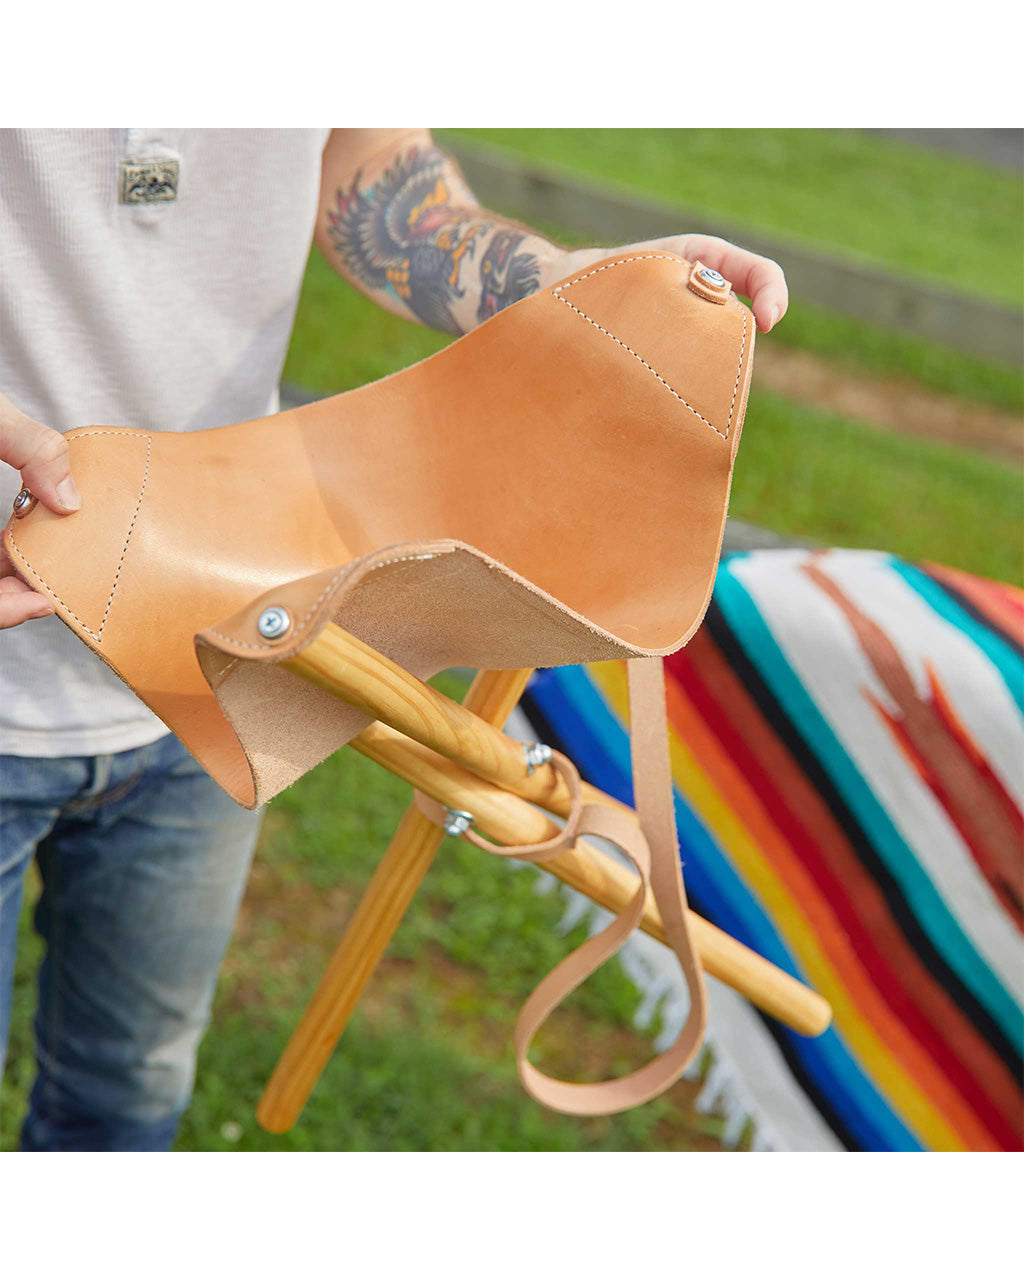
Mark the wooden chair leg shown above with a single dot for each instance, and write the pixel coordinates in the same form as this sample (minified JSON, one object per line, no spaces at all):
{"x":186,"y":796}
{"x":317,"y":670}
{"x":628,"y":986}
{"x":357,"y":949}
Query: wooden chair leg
{"x":492,"y":697}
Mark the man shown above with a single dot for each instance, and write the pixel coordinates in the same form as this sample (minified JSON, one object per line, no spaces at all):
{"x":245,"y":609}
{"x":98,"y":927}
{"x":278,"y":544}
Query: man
{"x":150,"y":279}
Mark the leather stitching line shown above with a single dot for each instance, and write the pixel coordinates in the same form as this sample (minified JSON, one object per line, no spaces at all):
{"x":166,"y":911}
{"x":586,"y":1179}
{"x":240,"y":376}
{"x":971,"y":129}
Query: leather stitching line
{"x":370,"y":577}
{"x":246,"y":644}
{"x":131,"y":529}
{"x":637,"y":257}
{"x":736,"y":385}
{"x":423,"y":555}
{"x":723,"y":434}
{"x":659,"y":257}
{"x":28,"y":565}
{"x":96,"y":635}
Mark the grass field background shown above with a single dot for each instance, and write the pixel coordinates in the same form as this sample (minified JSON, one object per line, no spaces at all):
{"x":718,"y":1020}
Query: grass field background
{"x":427,"y":1061}
{"x":923,"y":213}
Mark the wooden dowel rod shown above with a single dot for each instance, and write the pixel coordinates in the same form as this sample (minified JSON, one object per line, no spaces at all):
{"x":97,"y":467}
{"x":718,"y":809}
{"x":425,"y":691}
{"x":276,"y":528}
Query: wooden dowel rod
{"x":404,"y":705}
{"x":492,"y":696}
{"x":510,"y":820}
{"x":343,"y":665}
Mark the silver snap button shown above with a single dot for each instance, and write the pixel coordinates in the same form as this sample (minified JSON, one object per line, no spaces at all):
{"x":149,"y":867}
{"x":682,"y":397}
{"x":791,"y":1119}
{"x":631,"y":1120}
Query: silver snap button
{"x":22,"y":501}
{"x":273,"y":623}
{"x":711,"y":276}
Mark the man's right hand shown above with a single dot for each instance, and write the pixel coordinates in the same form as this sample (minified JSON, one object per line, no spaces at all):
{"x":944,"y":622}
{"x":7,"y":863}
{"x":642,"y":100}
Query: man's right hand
{"x":41,"y":455}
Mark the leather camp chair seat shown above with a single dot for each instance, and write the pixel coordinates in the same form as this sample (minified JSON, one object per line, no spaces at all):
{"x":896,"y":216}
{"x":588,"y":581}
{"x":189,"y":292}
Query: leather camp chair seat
{"x":549,"y":489}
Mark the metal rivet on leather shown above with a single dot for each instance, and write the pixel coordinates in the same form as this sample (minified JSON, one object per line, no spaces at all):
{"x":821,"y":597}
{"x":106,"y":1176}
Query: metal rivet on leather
{"x":24,"y":502}
{"x":274,"y":623}
{"x":709,"y":284}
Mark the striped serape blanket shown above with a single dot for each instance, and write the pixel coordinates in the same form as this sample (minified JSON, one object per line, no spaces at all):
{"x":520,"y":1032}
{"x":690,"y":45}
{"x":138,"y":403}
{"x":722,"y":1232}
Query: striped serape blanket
{"x":847,"y":747}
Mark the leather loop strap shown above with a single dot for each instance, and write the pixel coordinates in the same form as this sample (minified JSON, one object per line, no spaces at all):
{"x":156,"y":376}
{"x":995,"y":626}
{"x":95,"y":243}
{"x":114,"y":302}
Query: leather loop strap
{"x":648,"y":839}
{"x":538,"y":853}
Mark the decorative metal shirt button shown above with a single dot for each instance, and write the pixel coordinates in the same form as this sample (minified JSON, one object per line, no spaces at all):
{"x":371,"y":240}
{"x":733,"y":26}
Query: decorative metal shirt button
{"x":149,"y":183}
{"x":24,"y":503}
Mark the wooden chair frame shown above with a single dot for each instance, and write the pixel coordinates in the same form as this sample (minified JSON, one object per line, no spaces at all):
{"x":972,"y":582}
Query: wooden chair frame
{"x":458,"y":755}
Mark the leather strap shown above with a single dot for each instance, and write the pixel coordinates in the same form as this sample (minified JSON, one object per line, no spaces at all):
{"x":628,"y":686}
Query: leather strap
{"x":648,"y":839}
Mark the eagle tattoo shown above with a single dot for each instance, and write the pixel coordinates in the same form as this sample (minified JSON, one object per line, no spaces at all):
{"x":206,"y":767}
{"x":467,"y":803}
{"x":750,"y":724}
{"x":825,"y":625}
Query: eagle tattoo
{"x":505,"y":276}
{"x":402,"y":234}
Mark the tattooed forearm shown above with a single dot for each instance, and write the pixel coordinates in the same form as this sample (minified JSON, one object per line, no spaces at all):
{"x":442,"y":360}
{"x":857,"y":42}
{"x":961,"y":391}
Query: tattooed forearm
{"x":416,"y":236}
{"x":505,"y":276}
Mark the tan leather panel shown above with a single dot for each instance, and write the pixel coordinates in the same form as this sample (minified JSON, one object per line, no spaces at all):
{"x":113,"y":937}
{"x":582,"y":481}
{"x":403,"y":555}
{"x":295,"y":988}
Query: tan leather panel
{"x":429,"y":607}
{"x":112,"y":466}
{"x":646,"y":305}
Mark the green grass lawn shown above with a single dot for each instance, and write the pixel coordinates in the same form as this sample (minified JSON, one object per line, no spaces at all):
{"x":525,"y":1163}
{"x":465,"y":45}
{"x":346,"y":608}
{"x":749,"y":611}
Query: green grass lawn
{"x":884,"y":353}
{"x":918,"y":212}
{"x":816,"y":475}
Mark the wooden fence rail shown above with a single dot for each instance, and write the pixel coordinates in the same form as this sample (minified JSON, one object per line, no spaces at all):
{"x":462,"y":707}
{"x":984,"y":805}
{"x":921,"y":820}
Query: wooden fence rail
{"x":542,"y":194}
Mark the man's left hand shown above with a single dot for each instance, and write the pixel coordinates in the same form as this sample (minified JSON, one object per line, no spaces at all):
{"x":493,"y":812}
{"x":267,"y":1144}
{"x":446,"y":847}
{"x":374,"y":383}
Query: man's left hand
{"x":759,"y":279}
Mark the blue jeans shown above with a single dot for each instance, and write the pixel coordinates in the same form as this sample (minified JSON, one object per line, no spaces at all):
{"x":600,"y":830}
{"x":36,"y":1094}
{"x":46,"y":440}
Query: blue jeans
{"x":143,"y":862}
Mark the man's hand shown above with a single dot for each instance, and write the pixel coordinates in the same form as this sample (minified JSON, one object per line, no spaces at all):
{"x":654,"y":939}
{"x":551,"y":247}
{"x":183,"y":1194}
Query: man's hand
{"x":41,"y":455}
{"x":759,"y":279}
